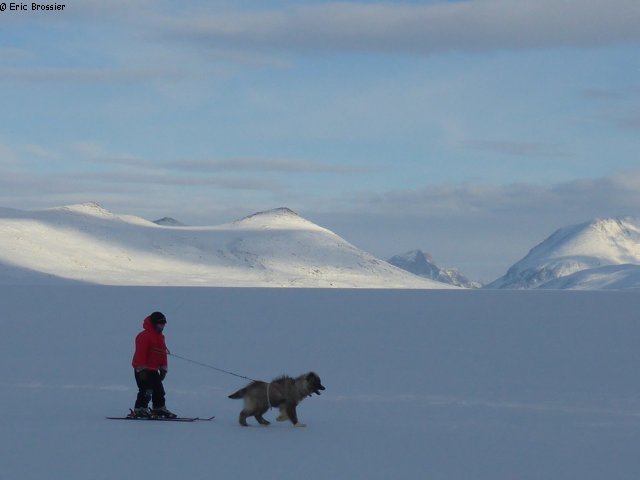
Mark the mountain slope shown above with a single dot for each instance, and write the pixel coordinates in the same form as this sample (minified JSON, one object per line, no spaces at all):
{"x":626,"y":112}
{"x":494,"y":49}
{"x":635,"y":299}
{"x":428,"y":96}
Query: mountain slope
{"x":422,"y":264}
{"x":578,"y":248}
{"x":610,"y":277}
{"x":274,"y":248}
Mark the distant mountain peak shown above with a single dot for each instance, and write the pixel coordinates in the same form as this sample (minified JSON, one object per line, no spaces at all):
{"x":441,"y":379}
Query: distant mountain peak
{"x":169,"y":222}
{"x":422,"y":264}
{"x":275,"y":212}
{"x":87,"y":208}
{"x":277,"y":218}
{"x":416,"y":256}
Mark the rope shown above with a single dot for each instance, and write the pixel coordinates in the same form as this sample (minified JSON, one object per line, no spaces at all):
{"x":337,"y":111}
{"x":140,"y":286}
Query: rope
{"x":268,"y":399}
{"x":212,"y":368}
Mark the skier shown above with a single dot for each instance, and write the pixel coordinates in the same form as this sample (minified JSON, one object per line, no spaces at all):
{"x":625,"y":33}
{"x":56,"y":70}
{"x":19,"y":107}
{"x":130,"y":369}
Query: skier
{"x":150,"y":366}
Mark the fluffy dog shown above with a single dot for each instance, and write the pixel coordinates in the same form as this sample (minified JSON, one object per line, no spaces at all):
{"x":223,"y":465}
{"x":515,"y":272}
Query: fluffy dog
{"x":283,"y":392}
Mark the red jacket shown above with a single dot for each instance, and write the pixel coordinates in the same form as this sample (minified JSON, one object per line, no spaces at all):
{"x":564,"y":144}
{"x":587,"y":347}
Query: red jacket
{"x":151,"y":351}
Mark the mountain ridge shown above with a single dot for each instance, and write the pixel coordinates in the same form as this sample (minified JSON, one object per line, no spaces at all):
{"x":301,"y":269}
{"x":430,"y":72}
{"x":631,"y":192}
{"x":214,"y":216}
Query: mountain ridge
{"x":274,"y":248}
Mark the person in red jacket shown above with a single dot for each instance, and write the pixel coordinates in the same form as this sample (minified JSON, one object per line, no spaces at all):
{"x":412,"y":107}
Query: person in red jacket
{"x":150,"y":366}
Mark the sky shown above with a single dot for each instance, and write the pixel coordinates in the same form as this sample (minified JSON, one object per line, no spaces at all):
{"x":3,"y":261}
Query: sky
{"x":468,"y":129}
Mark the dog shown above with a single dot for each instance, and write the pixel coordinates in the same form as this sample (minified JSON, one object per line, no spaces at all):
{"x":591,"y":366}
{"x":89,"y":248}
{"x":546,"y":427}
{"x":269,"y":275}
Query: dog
{"x":283,"y":392}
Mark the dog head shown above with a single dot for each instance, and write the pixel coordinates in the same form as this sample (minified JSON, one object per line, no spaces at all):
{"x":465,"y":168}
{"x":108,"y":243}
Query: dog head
{"x":314,"y":384}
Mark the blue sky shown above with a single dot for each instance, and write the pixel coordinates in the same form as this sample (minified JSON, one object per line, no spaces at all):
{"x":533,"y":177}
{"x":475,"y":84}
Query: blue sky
{"x":468,"y":129}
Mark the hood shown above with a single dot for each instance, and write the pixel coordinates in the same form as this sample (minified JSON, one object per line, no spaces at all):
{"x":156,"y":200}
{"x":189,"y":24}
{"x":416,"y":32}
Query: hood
{"x":148,"y":326}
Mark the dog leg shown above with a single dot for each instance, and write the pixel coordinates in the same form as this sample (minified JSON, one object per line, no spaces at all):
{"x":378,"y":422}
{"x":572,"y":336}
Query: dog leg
{"x":261,"y":419}
{"x":283,"y":415}
{"x":293,"y":415}
{"x":243,"y":418}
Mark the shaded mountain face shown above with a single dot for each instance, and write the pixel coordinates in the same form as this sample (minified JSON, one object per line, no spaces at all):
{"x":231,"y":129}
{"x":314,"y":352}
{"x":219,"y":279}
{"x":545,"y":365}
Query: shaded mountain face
{"x":575,"y":250}
{"x":422,"y":264}
{"x":275,"y":248}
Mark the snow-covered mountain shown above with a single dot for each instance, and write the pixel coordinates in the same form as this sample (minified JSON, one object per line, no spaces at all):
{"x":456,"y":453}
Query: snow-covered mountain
{"x":276,"y":248}
{"x":422,"y":264}
{"x":602,"y":253}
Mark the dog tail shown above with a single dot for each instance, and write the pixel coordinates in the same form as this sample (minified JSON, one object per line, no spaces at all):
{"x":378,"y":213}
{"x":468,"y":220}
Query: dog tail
{"x":239,"y":394}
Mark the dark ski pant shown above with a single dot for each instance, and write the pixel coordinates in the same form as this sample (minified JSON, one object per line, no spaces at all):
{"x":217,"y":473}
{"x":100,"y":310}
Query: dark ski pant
{"x":149,"y":388}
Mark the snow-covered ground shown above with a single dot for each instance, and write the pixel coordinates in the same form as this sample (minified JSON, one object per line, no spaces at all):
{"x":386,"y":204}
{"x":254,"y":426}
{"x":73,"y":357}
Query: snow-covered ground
{"x":442,"y":384}
{"x":276,"y":248}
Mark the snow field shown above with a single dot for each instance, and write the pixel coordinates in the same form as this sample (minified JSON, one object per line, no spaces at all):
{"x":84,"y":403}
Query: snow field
{"x":420,"y":384}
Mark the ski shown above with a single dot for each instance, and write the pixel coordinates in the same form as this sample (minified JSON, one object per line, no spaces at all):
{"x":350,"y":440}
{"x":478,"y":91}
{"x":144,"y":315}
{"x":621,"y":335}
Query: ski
{"x":131,"y":416}
{"x":162,"y":419}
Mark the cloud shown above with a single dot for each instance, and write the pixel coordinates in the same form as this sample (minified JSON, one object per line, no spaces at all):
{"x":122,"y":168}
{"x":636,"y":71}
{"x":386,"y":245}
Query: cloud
{"x":612,"y":195}
{"x":611,"y":94}
{"x":8,"y":155}
{"x":630,"y":120}
{"x":91,"y":171}
{"x":622,"y":106}
{"x":512,"y":148}
{"x":41,"y":152}
{"x":469,"y":26}
{"x":20,"y":183}
{"x":97,"y":154}
{"x":8,"y":54}
{"x":89,"y":75}
{"x":93,"y":152}
{"x":263,"y":165}
{"x":196,"y":181}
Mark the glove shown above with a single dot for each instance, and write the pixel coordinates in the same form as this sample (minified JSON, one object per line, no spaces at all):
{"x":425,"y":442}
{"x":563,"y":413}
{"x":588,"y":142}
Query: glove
{"x":163,"y":373}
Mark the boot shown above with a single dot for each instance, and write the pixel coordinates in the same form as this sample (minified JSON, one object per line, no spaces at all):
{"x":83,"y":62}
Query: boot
{"x":141,"y":412}
{"x":162,"y":412}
